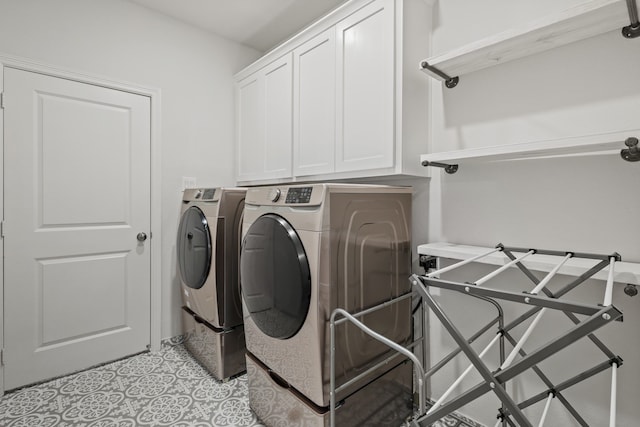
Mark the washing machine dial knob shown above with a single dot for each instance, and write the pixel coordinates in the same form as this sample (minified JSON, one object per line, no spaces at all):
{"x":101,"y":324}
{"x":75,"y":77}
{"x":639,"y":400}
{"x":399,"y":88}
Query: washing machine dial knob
{"x":274,"y":195}
{"x":198,"y":194}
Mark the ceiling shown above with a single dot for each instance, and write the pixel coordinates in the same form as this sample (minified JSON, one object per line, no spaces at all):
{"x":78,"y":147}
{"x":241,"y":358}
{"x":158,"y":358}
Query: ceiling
{"x":261,"y":24}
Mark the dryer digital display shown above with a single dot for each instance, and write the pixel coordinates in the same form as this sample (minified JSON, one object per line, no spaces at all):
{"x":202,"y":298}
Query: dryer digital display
{"x":208,"y":193}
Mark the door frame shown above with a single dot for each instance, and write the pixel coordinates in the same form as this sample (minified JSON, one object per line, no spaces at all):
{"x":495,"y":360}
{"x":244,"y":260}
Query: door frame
{"x":156,"y":181}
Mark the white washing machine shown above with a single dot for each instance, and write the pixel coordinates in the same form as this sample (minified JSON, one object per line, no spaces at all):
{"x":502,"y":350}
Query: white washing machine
{"x":306,"y":250}
{"x":208,"y":249}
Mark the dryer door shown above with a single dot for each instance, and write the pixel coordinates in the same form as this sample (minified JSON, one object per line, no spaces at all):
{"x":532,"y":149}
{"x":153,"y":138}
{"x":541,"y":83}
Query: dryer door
{"x":194,"y":248}
{"x":275,"y":277}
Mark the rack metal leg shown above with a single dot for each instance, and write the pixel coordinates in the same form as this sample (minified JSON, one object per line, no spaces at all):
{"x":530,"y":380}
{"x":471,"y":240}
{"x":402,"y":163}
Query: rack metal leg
{"x":614,"y":394}
{"x":490,"y":380}
{"x":557,"y":389}
{"x":466,"y":372}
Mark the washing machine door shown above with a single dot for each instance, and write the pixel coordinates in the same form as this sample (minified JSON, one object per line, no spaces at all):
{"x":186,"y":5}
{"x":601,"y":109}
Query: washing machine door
{"x":194,"y":248}
{"x":275,"y":276}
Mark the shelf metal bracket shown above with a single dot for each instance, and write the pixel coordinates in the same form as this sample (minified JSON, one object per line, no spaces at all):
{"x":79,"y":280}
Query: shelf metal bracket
{"x":631,"y":154}
{"x":449,"y":81}
{"x":632,"y":30}
{"x":631,"y":290}
{"x":450,"y":169}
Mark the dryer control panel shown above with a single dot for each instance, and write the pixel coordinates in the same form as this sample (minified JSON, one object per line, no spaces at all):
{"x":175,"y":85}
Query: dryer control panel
{"x":292,"y":196}
{"x":298,"y":195}
{"x":191,"y":195}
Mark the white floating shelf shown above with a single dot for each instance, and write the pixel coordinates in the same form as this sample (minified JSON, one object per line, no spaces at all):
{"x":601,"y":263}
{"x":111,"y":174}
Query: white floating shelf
{"x":624,"y":272}
{"x":577,"y":23}
{"x":590,"y":144}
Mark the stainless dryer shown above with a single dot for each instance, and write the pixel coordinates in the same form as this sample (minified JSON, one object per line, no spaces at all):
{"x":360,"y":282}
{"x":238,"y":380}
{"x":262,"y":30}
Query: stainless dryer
{"x":308,"y":249}
{"x":208,"y":250}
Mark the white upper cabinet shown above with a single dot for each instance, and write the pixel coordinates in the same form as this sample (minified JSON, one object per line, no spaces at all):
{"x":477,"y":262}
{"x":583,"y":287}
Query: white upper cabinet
{"x":314,"y":105}
{"x":264,"y":122}
{"x":357,"y":98}
{"x":365,"y":88}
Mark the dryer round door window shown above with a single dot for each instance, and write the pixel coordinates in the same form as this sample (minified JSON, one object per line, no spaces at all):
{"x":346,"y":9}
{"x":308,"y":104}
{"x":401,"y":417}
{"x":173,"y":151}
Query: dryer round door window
{"x":194,"y":248}
{"x":275,"y":276}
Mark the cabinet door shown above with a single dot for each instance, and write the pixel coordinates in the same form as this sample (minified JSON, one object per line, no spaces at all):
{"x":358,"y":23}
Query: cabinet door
{"x":278,"y":119}
{"x":250,"y":126}
{"x":314,"y":105}
{"x":264,"y":127}
{"x":365,"y":88}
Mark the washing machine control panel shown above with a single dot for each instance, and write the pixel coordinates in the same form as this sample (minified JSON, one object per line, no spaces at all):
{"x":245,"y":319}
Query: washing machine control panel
{"x":298,"y":195}
{"x":208,"y":193}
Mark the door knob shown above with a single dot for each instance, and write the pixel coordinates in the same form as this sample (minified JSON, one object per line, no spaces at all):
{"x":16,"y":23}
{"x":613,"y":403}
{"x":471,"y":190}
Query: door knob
{"x":141,"y":237}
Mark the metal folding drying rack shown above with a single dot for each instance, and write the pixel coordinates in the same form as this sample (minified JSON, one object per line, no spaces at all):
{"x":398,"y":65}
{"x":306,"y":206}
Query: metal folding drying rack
{"x":510,"y":413}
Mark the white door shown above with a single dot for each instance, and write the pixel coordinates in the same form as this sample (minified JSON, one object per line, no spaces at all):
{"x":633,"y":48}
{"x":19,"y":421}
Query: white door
{"x":314,"y":105}
{"x":365,"y":88}
{"x":77,"y":194}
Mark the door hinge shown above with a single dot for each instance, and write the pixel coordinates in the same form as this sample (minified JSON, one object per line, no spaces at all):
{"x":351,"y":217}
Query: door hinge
{"x":2,"y":357}
{"x":2,"y":229}
{"x":2,"y":100}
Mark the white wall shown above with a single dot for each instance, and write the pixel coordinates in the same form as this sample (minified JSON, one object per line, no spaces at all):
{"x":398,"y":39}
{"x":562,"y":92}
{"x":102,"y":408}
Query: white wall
{"x":587,"y":204}
{"x":121,"y":41}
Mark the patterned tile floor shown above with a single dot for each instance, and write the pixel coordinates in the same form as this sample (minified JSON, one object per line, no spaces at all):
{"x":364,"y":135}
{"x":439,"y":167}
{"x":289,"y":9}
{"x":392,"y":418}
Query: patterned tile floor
{"x":168,"y":388}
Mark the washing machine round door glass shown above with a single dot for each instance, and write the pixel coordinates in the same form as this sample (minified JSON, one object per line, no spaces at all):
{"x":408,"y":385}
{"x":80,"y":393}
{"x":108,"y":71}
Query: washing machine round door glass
{"x":194,"y":248}
{"x":275,"y":276}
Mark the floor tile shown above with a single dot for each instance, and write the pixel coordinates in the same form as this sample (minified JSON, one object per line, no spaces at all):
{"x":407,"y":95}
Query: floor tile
{"x":167,"y":388}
